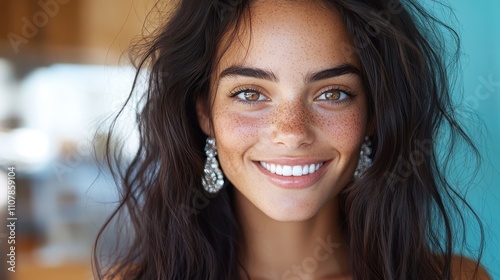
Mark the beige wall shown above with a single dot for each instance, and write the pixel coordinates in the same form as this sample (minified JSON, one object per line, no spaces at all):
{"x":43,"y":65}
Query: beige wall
{"x":84,"y":31}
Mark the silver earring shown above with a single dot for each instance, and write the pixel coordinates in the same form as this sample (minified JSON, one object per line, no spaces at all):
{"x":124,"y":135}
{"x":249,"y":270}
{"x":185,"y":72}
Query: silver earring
{"x":213,"y":180}
{"x":364,"y":158}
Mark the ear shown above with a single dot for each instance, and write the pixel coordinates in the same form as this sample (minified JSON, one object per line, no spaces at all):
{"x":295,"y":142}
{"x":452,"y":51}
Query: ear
{"x":203,"y":116}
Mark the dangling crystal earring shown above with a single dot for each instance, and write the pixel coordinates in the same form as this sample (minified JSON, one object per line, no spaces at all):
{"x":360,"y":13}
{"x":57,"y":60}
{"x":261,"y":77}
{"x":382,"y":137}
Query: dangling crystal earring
{"x":364,"y":158}
{"x":213,"y":180}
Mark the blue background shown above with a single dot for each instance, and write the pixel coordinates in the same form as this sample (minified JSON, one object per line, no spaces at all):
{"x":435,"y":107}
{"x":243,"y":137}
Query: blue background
{"x":478,"y":24}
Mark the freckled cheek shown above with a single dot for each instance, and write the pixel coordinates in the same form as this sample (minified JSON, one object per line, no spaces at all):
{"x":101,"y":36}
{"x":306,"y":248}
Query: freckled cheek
{"x":346,"y":130}
{"x":236,"y":132}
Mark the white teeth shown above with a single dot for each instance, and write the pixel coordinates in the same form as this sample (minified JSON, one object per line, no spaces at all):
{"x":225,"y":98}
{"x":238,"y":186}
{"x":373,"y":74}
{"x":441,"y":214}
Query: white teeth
{"x":288,"y":170}
{"x":279,"y":170}
{"x":297,"y":170}
{"x":305,"y":170}
{"x":312,"y":168}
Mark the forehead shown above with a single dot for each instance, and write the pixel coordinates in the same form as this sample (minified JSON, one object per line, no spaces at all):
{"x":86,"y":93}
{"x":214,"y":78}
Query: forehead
{"x":303,"y":33}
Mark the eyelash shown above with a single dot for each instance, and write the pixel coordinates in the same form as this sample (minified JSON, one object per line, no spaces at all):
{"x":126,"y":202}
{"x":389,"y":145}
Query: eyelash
{"x":234,"y":94}
{"x":239,"y":91}
{"x":349,"y":95}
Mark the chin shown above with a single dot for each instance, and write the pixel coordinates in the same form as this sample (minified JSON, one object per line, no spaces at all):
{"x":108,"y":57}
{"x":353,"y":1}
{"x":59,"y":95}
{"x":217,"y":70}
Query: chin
{"x":290,"y":217}
{"x":293,"y":211}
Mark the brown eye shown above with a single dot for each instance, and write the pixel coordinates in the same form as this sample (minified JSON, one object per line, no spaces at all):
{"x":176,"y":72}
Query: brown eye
{"x":332,"y":95}
{"x":251,"y":95}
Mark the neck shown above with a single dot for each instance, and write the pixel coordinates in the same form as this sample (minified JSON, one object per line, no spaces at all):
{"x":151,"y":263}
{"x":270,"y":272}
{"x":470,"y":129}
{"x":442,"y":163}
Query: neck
{"x":311,"y":249}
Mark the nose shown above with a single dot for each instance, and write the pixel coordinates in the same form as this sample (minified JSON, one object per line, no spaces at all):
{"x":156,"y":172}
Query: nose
{"x":292,"y":125}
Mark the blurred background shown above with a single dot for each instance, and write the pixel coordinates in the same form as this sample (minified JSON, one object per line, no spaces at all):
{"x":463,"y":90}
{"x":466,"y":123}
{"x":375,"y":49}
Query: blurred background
{"x":64,"y":70}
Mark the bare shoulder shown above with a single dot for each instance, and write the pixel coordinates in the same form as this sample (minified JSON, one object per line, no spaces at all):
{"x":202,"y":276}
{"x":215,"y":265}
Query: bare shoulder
{"x":464,"y":268}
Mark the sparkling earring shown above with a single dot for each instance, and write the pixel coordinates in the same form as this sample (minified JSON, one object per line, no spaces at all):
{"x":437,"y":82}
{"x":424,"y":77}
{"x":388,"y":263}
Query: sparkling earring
{"x":364,"y":157}
{"x":213,"y":180}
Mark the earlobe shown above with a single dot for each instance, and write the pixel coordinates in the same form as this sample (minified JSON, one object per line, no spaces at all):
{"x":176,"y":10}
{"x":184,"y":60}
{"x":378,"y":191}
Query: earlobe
{"x":203,"y":117}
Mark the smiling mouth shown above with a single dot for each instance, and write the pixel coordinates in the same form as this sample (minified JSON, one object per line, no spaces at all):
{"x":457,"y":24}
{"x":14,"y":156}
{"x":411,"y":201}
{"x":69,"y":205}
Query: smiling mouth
{"x":291,"y":170}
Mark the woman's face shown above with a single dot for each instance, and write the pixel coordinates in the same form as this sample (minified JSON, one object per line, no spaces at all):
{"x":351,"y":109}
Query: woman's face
{"x":289,"y":109}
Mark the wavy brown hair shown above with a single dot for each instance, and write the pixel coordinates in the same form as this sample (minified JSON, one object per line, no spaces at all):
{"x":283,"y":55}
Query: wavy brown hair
{"x":403,"y":218}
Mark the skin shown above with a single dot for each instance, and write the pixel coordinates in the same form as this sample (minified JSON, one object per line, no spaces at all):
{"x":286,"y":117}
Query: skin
{"x":289,"y":122}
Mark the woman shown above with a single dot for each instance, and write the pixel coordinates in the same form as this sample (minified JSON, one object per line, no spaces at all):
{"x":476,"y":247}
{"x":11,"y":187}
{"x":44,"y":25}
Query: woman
{"x":293,"y":140}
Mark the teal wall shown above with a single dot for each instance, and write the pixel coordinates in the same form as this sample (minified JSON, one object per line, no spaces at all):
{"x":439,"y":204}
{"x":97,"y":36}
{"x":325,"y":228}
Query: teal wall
{"x":478,"y":23}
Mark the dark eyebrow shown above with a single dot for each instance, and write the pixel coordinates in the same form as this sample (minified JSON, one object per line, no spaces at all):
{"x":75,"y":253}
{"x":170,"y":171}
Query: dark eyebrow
{"x":332,"y":72}
{"x":268,"y":75}
{"x":249,"y":72}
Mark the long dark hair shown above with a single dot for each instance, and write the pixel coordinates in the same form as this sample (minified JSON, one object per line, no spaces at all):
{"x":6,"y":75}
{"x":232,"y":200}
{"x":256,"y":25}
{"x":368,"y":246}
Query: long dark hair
{"x":401,"y":215}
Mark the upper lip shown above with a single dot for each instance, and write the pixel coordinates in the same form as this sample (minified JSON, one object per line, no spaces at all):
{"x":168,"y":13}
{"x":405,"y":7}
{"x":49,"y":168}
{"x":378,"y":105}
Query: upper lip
{"x":293,"y":161}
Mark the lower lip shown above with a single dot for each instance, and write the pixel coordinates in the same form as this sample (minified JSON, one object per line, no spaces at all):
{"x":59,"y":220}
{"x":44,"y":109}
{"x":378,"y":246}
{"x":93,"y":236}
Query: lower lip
{"x":294,"y":182}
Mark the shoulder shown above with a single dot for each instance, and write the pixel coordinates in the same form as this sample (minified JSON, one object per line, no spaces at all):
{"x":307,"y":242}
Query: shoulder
{"x":463,"y":268}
